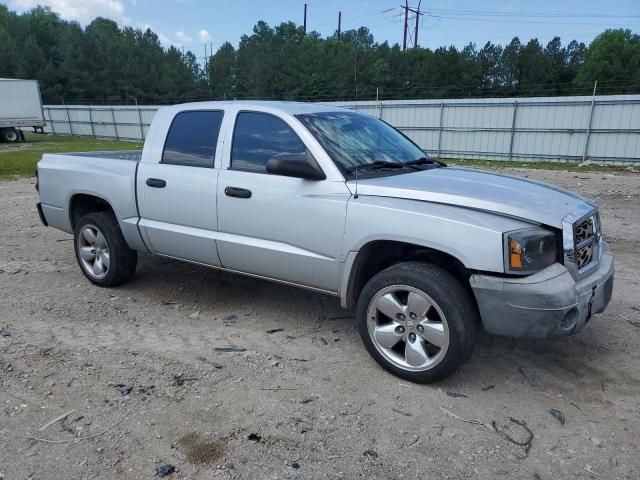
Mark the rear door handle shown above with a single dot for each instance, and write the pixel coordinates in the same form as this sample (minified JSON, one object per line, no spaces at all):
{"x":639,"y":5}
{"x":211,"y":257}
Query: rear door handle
{"x":156,"y":182}
{"x":237,"y":192}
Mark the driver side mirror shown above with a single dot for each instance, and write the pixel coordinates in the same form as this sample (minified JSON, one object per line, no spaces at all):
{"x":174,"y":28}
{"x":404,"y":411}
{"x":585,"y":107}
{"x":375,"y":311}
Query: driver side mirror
{"x":298,"y":165}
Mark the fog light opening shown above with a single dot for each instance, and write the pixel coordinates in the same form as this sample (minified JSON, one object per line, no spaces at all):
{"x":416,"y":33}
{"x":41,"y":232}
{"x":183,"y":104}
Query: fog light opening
{"x":569,"y":320}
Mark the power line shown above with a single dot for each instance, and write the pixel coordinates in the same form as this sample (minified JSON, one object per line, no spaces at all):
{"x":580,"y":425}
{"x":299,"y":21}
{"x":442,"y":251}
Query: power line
{"x":528,"y":14}
{"x":515,"y":20}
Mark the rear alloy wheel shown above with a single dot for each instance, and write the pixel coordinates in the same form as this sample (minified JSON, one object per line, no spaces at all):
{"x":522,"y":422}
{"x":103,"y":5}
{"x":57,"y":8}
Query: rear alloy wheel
{"x":94,"y":252}
{"x":417,"y":321}
{"x":102,"y":253}
{"x":9,"y":135}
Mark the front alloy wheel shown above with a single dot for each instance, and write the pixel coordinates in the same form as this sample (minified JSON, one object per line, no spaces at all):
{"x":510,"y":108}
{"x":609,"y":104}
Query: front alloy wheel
{"x":408,"y":328}
{"x":417,"y":321}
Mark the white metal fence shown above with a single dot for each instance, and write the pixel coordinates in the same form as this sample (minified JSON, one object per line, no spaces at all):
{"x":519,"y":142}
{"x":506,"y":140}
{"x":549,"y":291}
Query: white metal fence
{"x":600,"y":129}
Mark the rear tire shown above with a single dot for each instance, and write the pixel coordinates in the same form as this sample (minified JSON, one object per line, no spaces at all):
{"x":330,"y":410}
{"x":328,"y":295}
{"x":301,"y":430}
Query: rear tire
{"x":417,"y":321}
{"x":101,"y":250}
{"x":9,"y":135}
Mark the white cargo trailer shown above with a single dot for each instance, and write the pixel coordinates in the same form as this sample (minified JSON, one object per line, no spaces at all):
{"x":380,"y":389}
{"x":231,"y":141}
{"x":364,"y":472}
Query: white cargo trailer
{"x":20,"y":106}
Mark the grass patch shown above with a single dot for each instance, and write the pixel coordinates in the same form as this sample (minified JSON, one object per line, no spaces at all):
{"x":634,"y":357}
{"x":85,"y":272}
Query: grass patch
{"x":560,"y":166}
{"x":19,"y":159}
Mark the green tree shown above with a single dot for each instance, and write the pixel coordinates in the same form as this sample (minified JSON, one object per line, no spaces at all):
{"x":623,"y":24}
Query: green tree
{"x":613,"y":59}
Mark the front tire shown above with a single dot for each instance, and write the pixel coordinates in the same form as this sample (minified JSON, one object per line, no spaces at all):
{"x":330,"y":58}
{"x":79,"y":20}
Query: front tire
{"x":9,"y":135}
{"x":417,"y":321}
{"x":102,"y":253}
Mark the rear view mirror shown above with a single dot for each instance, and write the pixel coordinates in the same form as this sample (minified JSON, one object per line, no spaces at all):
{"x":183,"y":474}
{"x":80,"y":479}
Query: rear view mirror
{"x":298,"y":165}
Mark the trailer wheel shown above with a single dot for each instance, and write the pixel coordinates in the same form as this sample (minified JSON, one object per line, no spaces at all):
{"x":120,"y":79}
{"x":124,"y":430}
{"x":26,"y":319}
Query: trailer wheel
{"x":9,"y":135}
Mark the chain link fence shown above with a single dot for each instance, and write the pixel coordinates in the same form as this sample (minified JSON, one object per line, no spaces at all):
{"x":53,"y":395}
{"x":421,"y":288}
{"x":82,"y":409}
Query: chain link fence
{"x":599,"y":129}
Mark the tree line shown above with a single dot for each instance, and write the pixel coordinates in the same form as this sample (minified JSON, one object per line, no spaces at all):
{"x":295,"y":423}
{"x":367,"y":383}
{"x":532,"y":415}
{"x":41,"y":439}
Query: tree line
{"x":103,"y":63}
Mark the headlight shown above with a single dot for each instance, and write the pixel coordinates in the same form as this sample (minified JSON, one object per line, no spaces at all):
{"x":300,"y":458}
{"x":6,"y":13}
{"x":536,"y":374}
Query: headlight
{"x":529,"y":250}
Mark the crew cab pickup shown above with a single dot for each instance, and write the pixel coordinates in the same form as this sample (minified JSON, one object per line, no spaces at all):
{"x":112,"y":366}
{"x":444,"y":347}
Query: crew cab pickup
{"x":339,"y":202}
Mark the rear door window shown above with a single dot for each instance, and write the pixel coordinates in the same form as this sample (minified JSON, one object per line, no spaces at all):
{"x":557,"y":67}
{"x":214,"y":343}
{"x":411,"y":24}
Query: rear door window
{"x":258,"y":137}
{"x":192,"y":139}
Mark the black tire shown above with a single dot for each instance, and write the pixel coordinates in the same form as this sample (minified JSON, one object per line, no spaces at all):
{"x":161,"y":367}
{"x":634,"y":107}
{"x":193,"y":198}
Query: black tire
{"x":123,"y":260}
{"x":453,"y":300}
{"x":9,"y":135}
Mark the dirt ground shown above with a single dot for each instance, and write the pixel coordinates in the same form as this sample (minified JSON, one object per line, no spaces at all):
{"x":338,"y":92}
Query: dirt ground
{"x":301,"y":399}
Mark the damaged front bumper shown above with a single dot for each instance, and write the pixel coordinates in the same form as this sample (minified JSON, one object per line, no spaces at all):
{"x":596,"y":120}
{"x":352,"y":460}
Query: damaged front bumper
{"x":550,"y":302}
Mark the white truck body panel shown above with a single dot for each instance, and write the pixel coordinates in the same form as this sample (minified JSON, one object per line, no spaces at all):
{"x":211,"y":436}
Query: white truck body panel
{"x":20,"y":103}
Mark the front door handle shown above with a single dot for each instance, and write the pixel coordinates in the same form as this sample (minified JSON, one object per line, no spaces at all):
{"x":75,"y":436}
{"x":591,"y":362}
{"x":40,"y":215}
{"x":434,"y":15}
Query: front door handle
{"x":156,"y":182}
{"x":237,"y":192}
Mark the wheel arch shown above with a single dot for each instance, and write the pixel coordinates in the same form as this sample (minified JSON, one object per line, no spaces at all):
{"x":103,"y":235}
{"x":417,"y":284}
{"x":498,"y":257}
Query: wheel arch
{"x":376,"y":255}
{"x":81,"y":204}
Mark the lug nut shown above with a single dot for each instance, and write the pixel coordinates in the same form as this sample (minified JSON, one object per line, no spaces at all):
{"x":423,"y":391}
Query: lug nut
{"x":412,"y":337}
{"x":400,"y":330}
{"x":413,"y":316}
{"x":420,"y":328}
{"x":400,"y":316}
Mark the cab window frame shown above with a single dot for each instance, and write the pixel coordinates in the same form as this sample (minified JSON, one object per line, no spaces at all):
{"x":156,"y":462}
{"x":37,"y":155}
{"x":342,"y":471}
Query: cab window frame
{"x":233,"y":141}
{"x":215,"y":144}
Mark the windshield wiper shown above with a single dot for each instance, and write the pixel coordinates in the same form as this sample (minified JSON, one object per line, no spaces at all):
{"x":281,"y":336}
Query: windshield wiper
{"x":424,"y":161}
{"x":377,"y":165}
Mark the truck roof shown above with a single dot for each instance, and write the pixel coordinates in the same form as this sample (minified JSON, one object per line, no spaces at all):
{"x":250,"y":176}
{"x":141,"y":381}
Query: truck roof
{"x":291,"y":108}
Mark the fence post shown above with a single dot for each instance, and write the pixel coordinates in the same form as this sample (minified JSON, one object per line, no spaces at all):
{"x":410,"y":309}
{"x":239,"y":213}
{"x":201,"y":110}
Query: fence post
{"x":115,"y":127}
{"x":140,"y":121}
{"x":93,"y":132}
{"x":53,"y":128}
{"x":586,"y":140}
{"x":513,"y":128}
{"x":69,"y":120}
{"x":440,"y":128}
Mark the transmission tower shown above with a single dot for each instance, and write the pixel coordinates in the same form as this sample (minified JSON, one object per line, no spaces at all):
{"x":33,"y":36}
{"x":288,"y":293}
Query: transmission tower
{"x":417,"y":12}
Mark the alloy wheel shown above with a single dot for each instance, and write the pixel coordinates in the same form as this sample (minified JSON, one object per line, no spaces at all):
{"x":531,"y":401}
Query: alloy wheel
{"x":408,"y":328}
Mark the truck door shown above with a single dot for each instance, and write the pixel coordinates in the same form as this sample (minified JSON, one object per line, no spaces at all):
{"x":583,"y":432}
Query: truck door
{"x":177,"y":194}
{"x":275,"y":226}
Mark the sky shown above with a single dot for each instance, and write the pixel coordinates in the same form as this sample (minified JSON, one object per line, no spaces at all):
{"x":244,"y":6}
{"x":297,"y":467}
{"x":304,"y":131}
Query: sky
{"x":192,"y":24}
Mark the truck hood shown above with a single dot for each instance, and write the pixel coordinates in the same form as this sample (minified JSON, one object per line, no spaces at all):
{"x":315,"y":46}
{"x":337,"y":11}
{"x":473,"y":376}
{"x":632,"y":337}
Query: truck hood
{"x":487,"y":191}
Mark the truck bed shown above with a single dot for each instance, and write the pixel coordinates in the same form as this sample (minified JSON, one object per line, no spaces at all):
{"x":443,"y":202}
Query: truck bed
{"x":65,"y":177}
{"x":132,"y":155}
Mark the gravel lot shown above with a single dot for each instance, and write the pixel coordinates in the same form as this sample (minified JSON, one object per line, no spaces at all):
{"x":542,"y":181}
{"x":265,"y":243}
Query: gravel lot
{"x":302,"y":399}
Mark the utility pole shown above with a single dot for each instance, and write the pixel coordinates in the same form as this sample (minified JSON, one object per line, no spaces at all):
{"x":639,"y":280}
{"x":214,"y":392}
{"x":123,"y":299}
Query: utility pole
{"x":339,"y":23}
{"x":406,"y":26}
{"x":415,"y":35}
{"x":305,"y":18}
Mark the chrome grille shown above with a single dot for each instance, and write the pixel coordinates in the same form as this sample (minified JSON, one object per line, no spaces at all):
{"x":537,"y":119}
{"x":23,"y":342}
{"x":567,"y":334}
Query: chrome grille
{"x":585,"y":240}
{"x":581,"y":240}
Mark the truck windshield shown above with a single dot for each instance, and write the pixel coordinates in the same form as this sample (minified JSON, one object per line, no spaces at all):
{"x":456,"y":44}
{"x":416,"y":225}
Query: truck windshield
{"x":356,"y":140}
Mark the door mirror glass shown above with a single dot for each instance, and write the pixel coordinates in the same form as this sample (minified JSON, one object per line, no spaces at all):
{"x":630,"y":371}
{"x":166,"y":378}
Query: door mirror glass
{"x":299,"y":165}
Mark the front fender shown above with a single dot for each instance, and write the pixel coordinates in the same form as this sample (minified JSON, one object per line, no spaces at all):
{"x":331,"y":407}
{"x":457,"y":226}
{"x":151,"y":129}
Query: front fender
{"x":471,"y":236}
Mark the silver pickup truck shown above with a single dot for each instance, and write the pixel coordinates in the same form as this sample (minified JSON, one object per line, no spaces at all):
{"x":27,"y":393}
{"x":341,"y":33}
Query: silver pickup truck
{"x":342,"y":203}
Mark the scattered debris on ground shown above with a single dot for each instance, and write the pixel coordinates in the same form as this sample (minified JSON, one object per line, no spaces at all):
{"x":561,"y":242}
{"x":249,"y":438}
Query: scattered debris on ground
{"x":522,"y":443}
{"x":165,"y":470}
{"x":558,"y":415}
{"x":456,"y":394}
{"x":124,"y":388}
{"x":230,"y":349}
{"x":370,"y":453}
